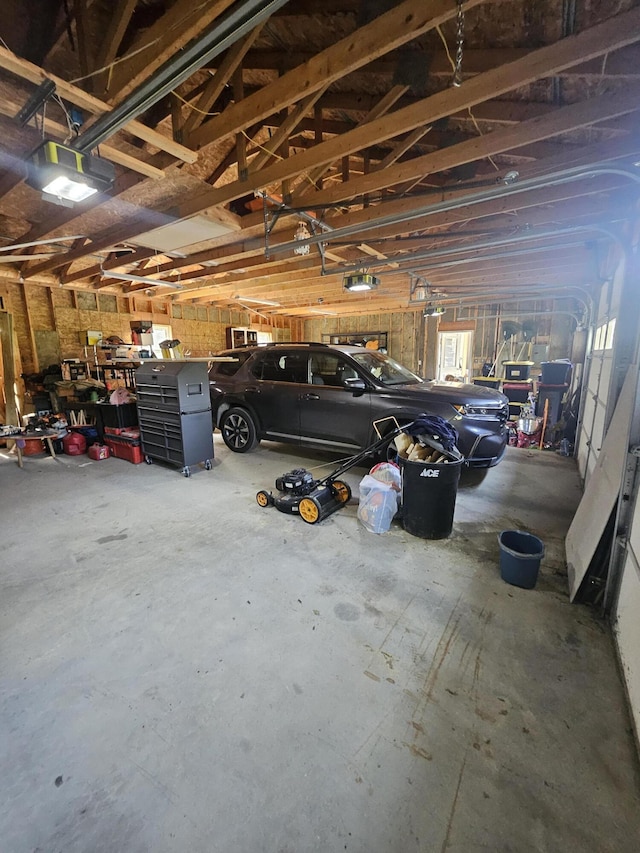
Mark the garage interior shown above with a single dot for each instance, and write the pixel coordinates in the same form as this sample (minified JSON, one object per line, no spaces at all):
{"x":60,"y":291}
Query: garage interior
{"x":182,"y":670}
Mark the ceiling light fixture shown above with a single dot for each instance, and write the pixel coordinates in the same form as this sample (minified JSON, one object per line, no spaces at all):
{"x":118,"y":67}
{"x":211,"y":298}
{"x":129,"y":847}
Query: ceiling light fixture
{"x":360,"y":282}
{"x":256,"y":301}
{"x":141,"y":279}
{"x":66,"y":176}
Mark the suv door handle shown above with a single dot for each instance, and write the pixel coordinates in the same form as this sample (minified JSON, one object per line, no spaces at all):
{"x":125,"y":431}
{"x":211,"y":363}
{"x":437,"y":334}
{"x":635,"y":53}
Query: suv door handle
{"x":253,"y":389}
{"x":309,"y":396}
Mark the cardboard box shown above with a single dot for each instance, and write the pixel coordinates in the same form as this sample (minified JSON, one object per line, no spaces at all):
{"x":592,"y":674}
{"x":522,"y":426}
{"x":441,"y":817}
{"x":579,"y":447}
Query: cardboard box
{"x":90,"y":338}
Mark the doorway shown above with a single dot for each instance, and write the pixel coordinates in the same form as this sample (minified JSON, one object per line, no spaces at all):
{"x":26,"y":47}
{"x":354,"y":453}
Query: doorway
{"x":455,"y":356}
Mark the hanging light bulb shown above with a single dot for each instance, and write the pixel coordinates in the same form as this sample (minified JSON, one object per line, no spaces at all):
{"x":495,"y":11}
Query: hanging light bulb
{"x":302,"y":233}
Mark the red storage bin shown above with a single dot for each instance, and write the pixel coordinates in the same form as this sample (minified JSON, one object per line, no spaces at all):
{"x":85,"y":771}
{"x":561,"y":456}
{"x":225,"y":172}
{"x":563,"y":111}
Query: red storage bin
{"x":122,"y":449}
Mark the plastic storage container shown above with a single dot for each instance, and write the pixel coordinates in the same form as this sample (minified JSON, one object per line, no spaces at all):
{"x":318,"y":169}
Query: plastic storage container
{"x":429,"y":497}
{"x":115,"y":417}
{"x":520,"y":556}
{"x":517,"y":392}
{"x":517,"y":369}
{"x":487,"y":381}
{"x":556,"y":372}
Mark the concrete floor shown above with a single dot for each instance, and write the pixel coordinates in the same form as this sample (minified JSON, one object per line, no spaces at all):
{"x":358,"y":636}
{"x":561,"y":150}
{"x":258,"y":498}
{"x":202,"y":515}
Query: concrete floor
{"x":184,"y":671}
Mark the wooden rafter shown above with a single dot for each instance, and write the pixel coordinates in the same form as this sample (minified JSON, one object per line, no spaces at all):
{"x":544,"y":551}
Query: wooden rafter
{"x":108,"y":49}
{"x":624,"y":63}
{"x":28,"y":71}
{"x":80,"y":13}
{"x":227,"y":68}
{"x":288,"y":125}
{"x":176,"y":28}
{"x":393,"y":29}
{"x":10,"y":107}
{"x":381,"y":108}
{"x":507,"y":139}
{"x":616,"y":32}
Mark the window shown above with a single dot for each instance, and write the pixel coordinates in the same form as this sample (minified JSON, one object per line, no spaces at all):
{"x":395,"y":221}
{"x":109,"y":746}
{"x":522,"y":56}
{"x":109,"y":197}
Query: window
{"x":159,"y":334}
{"x":327,"y":369}
{"x":611,"y":328}
{"x":278,"y":366}
{"x":230,"y":368}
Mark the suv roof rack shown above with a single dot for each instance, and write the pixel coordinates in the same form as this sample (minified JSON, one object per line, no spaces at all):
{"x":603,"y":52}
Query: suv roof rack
{"x":296,"y":344}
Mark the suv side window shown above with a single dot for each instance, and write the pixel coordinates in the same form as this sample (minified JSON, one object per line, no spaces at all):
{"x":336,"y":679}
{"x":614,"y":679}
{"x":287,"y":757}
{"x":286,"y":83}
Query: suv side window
{"x":281,"y":366}
{"x":330,"y":369}
{"x":229,"y":368}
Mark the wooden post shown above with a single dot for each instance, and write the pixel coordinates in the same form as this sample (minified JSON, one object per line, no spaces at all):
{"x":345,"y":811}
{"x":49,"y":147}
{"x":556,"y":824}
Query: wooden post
{"x":8,"y":367}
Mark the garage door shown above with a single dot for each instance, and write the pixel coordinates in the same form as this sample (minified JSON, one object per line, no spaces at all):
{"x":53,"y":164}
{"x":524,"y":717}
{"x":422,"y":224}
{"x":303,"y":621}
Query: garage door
{"x":626,"y":624}
{"x":601,"y":378}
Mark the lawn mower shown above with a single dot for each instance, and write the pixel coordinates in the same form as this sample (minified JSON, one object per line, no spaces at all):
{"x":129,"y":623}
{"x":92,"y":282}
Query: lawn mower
{"x":314,"y":500}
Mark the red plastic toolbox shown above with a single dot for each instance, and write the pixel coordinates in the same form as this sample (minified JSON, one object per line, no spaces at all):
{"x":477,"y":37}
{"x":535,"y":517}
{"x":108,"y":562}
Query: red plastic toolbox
{"x":129,"y":450}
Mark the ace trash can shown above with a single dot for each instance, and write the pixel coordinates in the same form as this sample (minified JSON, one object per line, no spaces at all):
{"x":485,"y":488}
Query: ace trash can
{"x":429,"y":493}
{"x":520,"y":556}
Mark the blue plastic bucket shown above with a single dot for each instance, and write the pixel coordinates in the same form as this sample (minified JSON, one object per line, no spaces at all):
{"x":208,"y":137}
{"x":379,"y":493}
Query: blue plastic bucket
{"x":520,"y":556}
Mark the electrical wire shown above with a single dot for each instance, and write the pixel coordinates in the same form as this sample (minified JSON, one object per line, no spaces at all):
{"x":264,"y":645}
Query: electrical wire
{"x":191,"y":106}
{"x":115,"y":62}
{"x":143,"y":47}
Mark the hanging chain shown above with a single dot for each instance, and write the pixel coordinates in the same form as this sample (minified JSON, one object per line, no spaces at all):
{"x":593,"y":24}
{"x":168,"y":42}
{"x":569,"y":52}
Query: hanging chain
{"x":457,"y":73}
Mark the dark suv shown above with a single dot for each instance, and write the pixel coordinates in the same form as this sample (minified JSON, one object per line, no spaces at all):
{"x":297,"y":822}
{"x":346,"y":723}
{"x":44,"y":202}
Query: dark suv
{"x":329,"y":396}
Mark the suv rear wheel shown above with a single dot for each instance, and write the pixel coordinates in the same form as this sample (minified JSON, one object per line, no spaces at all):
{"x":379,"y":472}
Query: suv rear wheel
{"x":238,"y":430}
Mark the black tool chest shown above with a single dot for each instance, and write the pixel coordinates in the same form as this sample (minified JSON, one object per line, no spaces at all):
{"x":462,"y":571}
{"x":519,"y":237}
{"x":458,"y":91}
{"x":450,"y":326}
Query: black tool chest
{"x":174,"y":413}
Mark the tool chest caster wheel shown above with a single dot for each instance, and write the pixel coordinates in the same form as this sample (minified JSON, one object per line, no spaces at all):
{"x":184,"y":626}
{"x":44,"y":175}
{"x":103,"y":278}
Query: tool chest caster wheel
{"x":186,"y":471}
{"x":148,"y":460}
{"x":207,"y":464}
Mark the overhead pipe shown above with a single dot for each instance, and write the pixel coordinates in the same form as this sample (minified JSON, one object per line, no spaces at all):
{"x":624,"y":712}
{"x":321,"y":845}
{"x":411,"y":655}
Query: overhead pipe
{"x":513,"y":253}
{"x":526,"y":296}
{"x":486,"y":244}
{"x":231,"y":26}
{"x":564,"y":176}
{"x":578,"y":320}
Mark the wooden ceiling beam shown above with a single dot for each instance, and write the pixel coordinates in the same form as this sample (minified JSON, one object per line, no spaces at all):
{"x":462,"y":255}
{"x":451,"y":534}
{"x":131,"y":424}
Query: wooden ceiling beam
{"x":399,"y":26}
{"x":292,"y":265}
{"x":286,"y":128}
{"x":108,"y":49}
{"x":231,"y":61}
{"x":499,"y":141}
{"x":579,"y":196}
{"x":109,"y":263}
{"x":27,"y":71}
{"x":624,"y":63}
{"x":182,"y":23}
{"x":381,"y":108}
{"x":80,"y":13}
{"x":10,"y":108}
{"x":616,"y":32}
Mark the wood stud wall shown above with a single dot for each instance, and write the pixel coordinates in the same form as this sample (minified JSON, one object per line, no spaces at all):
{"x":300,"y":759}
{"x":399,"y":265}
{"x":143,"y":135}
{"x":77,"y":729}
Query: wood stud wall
{"x":202,"y":330}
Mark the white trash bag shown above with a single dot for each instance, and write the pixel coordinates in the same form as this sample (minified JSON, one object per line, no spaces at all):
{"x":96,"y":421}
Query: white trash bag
{"x":379,"y":498}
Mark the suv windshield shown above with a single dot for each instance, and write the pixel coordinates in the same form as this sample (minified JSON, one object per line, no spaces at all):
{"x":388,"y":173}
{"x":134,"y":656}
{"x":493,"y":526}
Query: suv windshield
{"x":384,"y":369}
